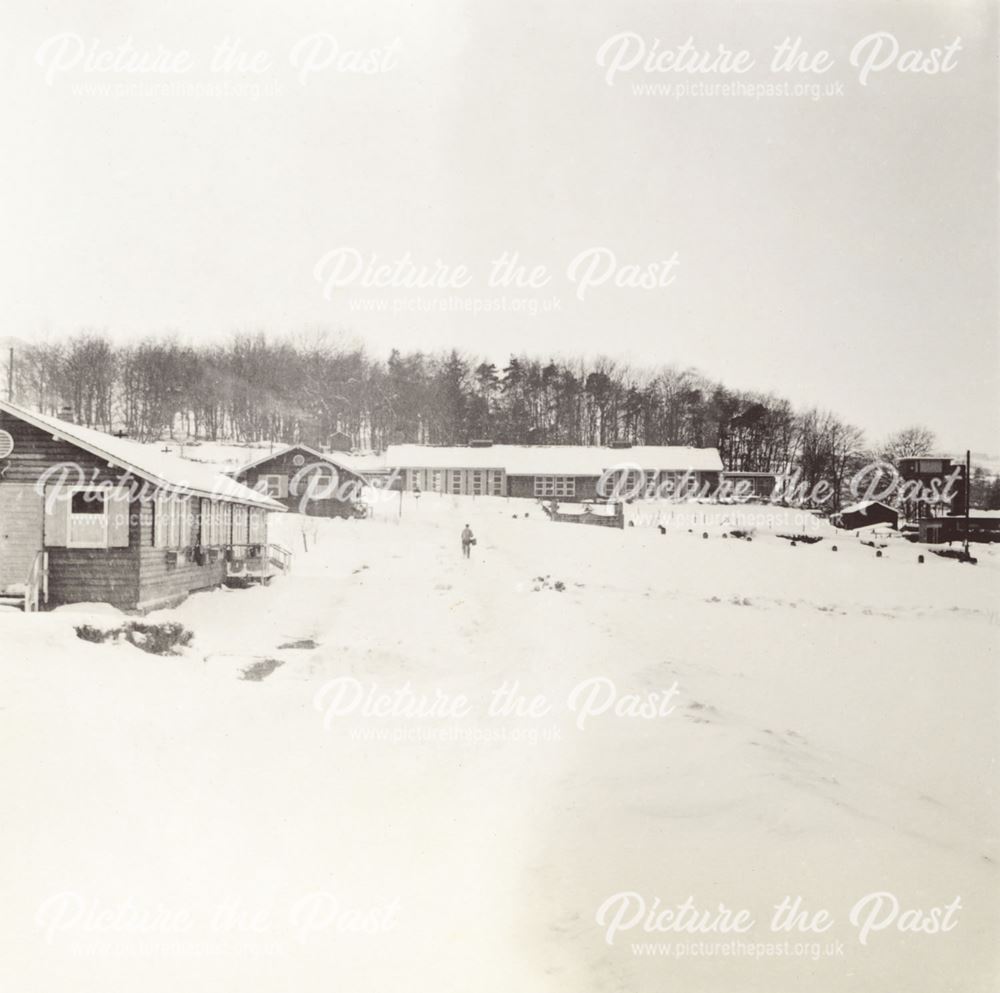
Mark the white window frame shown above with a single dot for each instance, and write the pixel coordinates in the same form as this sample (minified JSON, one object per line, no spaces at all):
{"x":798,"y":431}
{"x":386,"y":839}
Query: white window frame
{"x":257,"y":527}
{"x":270,"y":485}
{"x":211,"y":523}
{"x":241,"y":521}
{"x":555,"y":486}
{"x":227,"y":523}
{"x":169,"y":524}
{"x":106,"y":495}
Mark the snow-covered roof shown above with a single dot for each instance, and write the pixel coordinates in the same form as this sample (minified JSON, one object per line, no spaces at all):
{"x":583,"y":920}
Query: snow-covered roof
{"x":566,"y":460}
{"x":864,"y":506}
{"x":336,"y":462}
{"x":363,"y":462}
{"x":146,"y":461}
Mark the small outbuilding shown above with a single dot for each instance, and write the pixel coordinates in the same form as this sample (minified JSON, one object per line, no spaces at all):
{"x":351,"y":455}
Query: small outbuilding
{"x":864,"y":515}
{"x":306,"y":481}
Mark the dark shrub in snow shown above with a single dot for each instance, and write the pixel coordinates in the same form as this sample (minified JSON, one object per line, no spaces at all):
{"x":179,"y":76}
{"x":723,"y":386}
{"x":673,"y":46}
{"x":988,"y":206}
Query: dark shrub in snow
{"x":806,"y":539}
{"x":97,"y":635}
{"x":256,"y":672}
{"x":954,"y":553}
{"x":157,"y":639}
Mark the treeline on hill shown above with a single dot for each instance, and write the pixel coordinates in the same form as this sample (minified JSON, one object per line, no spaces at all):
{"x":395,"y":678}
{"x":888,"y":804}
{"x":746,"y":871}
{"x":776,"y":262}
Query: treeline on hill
{"x":257,"y":388}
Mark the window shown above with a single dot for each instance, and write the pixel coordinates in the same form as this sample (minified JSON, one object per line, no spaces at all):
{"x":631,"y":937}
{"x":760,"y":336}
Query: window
{"x":456,"y":480}
{"x":88,"y":519}
{"x":240,"y":536}
{"x":415,"y":479}
{"x":436,"y":480}
{"x":555,"y":486}
{"x":258,"y":529}
{"x":212,"y":530}
{"x":171,"y":524}
{"x":226,"y":538}
{"x":317,"y":482}
{"x":496,"y":482}
{"x":185,"y":513}
{"x":205,"y":523}
{"x":273,"y":486}
{"x":477,"y":481}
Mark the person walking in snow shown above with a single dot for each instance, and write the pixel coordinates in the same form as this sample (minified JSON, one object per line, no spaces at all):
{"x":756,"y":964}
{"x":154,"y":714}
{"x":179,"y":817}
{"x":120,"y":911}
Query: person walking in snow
{"x":467,"y":541}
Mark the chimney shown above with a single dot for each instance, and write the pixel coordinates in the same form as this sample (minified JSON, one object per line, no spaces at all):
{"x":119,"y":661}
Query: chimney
{"x":66,"y":413}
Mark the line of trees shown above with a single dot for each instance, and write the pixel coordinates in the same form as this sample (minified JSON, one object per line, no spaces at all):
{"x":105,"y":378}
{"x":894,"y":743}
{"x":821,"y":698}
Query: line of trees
{"x":258,"y":388}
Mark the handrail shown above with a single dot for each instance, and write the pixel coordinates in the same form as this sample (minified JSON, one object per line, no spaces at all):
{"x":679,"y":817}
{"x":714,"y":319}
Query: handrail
{"x":265,"y":554}
{"x":37,"y":584}
{"x":280,"y":556}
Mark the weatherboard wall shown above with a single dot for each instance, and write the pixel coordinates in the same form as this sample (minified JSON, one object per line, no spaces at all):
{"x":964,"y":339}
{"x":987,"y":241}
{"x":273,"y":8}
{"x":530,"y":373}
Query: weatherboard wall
{"x":283,"y":464}
{"x":136,"y":575}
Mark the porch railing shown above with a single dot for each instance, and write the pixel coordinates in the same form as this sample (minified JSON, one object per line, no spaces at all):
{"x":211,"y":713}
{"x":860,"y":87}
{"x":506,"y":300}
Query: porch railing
{"x":257,"y":561}
{"x":36,"y":588}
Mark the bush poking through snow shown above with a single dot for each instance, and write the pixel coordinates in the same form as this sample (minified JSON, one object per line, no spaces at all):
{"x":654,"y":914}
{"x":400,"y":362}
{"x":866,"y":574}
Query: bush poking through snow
{"x":544,"y":583}
{"x":954,"y":553}
{"x":157,"y":639}
{"x":96,"y":635}
{"x":806,"y":539}
{"x":256,"y":672}
{"x":300,"y":644}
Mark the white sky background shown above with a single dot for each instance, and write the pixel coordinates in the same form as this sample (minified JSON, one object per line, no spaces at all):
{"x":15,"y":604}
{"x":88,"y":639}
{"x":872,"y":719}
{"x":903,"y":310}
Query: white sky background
{"x":842,"y":252}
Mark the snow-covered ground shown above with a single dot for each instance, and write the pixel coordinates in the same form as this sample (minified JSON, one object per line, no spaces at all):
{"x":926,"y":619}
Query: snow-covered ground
{"x":829,"y":731}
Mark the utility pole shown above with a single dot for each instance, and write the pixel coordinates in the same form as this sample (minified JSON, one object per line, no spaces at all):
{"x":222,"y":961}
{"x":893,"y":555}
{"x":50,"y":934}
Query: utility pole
{"x":968,"y":489}
{"x":10,"y":377}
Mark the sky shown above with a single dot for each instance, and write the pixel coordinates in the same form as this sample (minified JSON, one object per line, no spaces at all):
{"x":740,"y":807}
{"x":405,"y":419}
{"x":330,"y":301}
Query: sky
{"x":830,"y":236}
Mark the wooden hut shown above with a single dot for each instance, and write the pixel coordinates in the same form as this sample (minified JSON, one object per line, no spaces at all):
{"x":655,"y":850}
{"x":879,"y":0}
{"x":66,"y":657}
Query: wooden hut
{"x":306,"y":481}
{"x":864,"y":515}
{"x":85,"y":516}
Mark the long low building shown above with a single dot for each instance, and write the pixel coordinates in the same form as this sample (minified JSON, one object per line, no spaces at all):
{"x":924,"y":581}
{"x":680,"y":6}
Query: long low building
{"x":562,"y":472}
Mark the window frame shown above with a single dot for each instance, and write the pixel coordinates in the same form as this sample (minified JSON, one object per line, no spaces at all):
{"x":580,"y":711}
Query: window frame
{"x":170,"y":529}
{"x":256,"y":526}
{"x":265,"y":481}
{"x":227,"y":522}
{"x":241,"y":520}
{"x":105,"y":493}
{"x":553,"y":487}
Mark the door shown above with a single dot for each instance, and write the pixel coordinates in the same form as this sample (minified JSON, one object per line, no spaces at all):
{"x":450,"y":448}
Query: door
{"x":20,"y":531}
